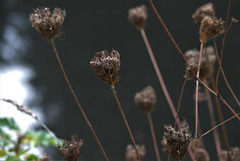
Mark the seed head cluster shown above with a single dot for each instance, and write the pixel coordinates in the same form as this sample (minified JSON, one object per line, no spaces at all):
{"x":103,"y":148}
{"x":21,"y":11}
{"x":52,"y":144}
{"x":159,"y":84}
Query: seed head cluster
{"x":146,"y":99}
{"x":138,"y":16}
{"x":46,"y":23}
{"x":234,"y":154}
{"x":71,"y":149}
{"x":201,"y":12}
{"x":131,"y":154}
{"x":179,"y":140}
{"x":107,"y":66}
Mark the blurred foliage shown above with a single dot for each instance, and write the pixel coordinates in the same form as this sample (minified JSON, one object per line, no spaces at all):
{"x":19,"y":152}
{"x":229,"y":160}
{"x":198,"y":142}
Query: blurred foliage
{"x":18,"y":148}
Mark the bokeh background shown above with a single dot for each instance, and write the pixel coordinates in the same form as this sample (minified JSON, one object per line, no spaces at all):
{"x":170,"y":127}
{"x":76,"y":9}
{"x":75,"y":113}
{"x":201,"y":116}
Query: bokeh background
{"x":92,"y":26}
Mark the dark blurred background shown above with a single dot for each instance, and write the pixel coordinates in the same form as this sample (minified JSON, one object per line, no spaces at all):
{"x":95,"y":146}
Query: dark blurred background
{"x":92,"y":26}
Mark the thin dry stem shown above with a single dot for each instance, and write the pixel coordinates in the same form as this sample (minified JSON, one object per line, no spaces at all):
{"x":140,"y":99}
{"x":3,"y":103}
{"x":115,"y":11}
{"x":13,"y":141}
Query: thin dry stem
{"x":125,"y":120}
{"x":76,"y":99}
{"x":153,"y":136}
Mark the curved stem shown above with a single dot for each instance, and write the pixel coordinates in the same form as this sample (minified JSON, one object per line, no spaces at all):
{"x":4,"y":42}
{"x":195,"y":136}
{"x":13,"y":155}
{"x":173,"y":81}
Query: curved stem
{"x":196,"y":99}
{"x":153,"y":136}
{"x":125,"y":120}
{"x":76,"y":99}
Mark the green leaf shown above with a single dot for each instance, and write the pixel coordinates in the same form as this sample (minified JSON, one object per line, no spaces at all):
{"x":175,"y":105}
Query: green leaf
{"x":31,"y":157}
{"x":12,"y":158}
{"x":23,"y":151}
{"x":10,"y":123}
{"x":2,"y":152}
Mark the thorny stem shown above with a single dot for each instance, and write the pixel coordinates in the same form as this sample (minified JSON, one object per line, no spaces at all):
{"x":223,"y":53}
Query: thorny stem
{"x":223,"y":74}
{"x":185,"y":61}
{"x":159,"y":75}
{"x":196,"y":98}
{"x":179,"y":102}
{"x":223,"y":44}
{"x":153,"y":136}
{"x":213,"y":122}
{"x":76,"y":99}
{"x":166,"y":29}
{"x":125,"y":120}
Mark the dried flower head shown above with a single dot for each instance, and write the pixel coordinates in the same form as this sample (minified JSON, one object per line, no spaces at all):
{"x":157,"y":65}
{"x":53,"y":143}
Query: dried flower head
{"x":138,"y":16}
{"x":234,"y":154}
{"x":107,"y":66}
{"x":146,"y":99}
{"x":201,"y":12}
{"x":46,"y":23}
{"x":45,"y":158}
{"x":131,"y":154}
{"x":207,"y":63}
{"x":165,"y":146}
{"x":202,"y":155}
{"x":210,"y":27}
{"x":71,"y":149}
{"x":179,"y":140}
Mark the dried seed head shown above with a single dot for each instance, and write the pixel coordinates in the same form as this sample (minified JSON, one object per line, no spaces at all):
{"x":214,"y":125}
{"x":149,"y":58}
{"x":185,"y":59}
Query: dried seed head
{"x":46,"y":23}
{"x":146,"y":99}
{"x":45,"y":158}
{"x":210,"y":27}
{"x":207,"y":63}
{"x":131,"y":154}
{"x":179,"y":140}
{"x":234,"y":154}
{"x":202,"y":155}
{"x":71,"y":149}
{"x":138,"y":16}
{"x":165,"y":146}
{"x":201,"y":12}
{"x":107,"y":66}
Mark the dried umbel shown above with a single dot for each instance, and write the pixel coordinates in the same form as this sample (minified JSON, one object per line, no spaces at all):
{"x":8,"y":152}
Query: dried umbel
{"x":210,"y":27}
{"x":201,"y":12}
{"x":202,"y":155}
{"x":45,"y":158}
{"x":46,"y":23}
{"x":179,"y":140}
{"x":131,"y":153}
{"x":234,"y":154}
{"x":138,"y":16}
{"x":107,"y":66}
{"x":207,"y":63}
{"x":71,"y":149}
{"x":146,"y":99}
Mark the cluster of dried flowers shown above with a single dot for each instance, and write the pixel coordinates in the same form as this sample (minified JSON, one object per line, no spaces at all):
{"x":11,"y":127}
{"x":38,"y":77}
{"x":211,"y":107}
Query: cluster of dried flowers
{"x":131,"y":153}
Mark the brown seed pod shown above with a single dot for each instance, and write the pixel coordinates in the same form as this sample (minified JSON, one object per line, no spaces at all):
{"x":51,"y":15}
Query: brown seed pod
{"x":138,"y":16}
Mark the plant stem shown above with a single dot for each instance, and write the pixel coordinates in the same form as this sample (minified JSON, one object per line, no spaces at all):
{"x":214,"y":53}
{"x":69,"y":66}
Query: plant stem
{"x":196,"y":99}
{"x":159,"y":75}
{"x":76,"y":99}
{"x":223,"y":74}
{"x":153,"y":136}
{"x":125,"y":120}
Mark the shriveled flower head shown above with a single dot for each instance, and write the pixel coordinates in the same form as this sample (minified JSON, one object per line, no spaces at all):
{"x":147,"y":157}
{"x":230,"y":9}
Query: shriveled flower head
{"x":201,"y":12}
{"x":45,"y":158}
{"x":202,"y":155}
{"x":146,"y":99}
{"x":179,"y":140}
{"x":107,"y":66}
{"x":207,"y":63}
{"x":131,"y":154}
{"x":138,"y":16}
{"x":234,"y":154}
{"x":71,"y":149}
{"x":46,"y":23}
{"x":210,"y":27}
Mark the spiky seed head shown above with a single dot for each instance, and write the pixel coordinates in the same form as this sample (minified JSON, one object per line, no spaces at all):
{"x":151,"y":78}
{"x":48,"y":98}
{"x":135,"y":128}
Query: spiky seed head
{"x":138,"y":16}
{"x":131,"y":154}
{"x":210,"y":27}
{"x":234,"y":154}
{"x":107,"y":66}
{"x":205,"y":10}
{"x":202,"y":155}
{"x":71,"y":149}
{"x":46,"y":23}
{"x":146,"y":99}
{"x":191,"y":68}
{"x":179,"y":140}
